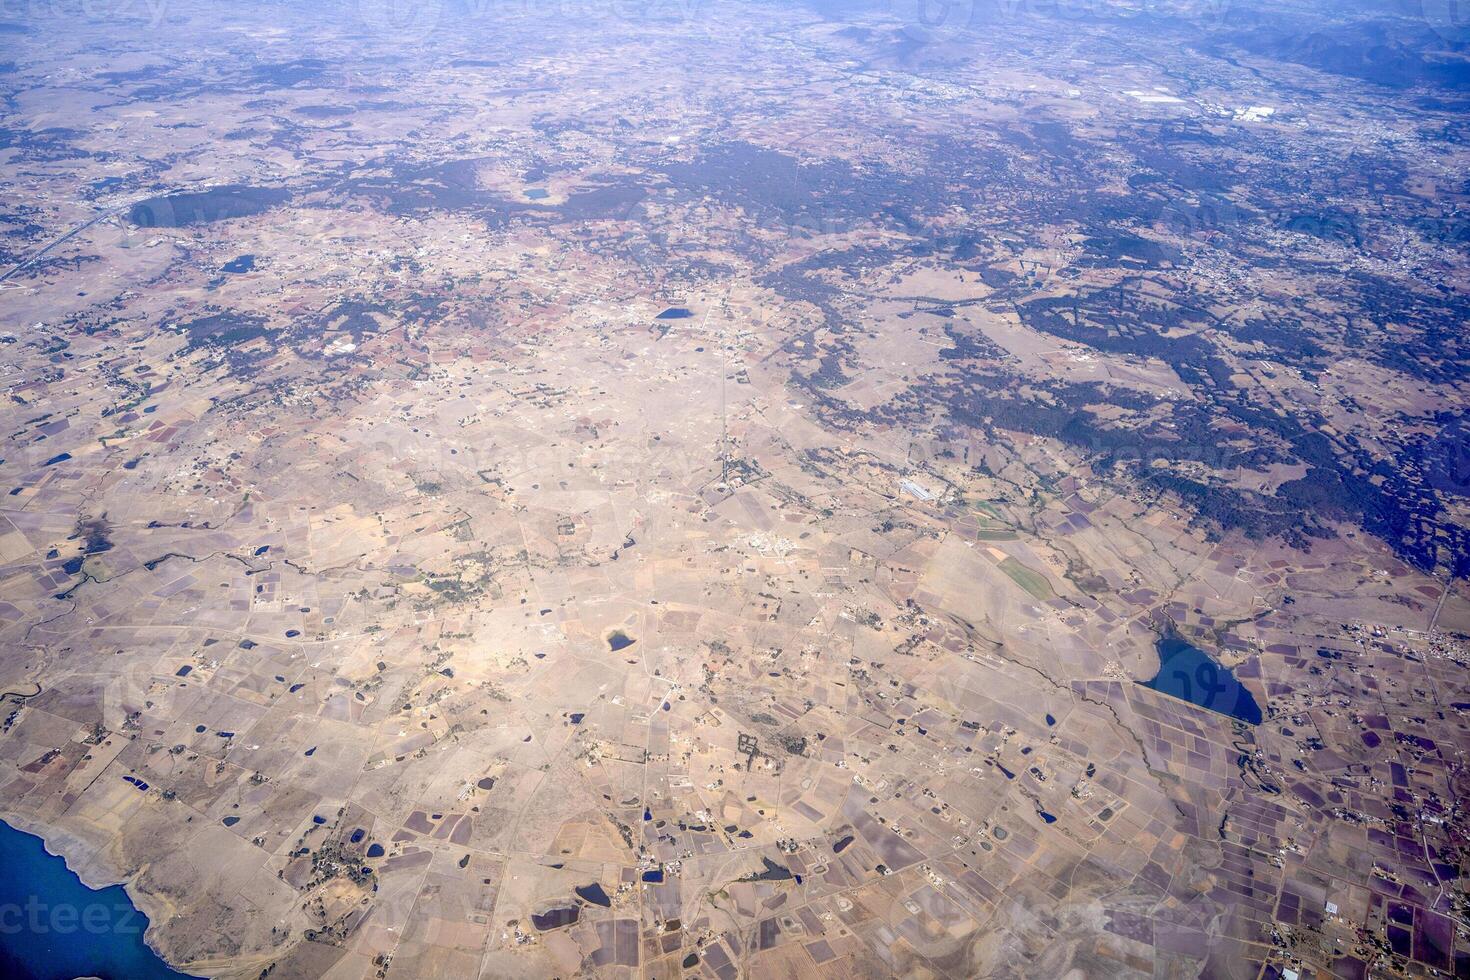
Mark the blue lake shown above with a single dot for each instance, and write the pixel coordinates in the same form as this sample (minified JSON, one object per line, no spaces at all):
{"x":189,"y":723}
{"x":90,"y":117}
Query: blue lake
{"x":53,"y":927}
{"x":1187,"y":673}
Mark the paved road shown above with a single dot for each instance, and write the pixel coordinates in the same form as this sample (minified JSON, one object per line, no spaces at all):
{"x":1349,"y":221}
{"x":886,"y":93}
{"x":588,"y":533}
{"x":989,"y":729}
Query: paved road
{"x":39,"y":253}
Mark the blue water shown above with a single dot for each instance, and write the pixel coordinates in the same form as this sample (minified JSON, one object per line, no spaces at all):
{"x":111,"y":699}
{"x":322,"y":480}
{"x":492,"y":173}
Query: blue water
{"x":1187,"y":672}
{"x":53,"y":927}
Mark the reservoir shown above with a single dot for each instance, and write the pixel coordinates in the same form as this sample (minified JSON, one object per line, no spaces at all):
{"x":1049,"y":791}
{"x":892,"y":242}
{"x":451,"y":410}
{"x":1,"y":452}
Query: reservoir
{"x":53,"y":927}
{"x":1187,"y":673}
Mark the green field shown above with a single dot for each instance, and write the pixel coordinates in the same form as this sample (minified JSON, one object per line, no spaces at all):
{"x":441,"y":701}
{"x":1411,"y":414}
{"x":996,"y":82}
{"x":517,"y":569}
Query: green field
{"x":1028,"y":578}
